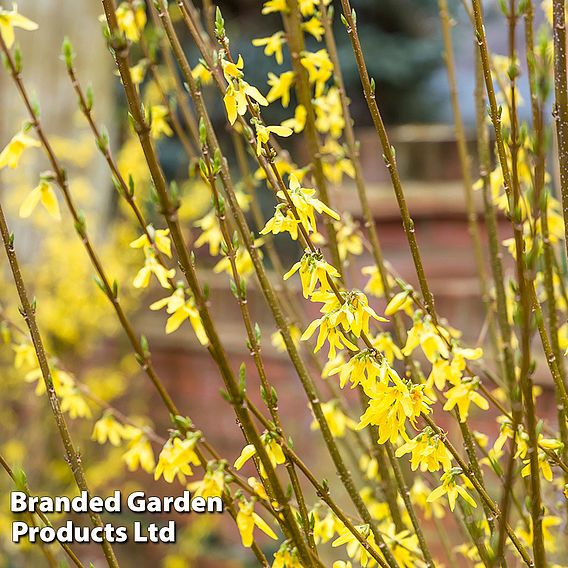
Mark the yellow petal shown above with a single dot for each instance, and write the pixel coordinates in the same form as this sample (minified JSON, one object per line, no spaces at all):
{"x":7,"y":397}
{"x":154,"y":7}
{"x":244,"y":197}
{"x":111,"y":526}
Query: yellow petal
{"x":30,"y":203}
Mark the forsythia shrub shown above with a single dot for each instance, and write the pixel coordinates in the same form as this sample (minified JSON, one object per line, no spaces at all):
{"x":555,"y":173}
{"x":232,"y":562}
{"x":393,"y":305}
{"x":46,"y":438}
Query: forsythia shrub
{"x":405,"y":482}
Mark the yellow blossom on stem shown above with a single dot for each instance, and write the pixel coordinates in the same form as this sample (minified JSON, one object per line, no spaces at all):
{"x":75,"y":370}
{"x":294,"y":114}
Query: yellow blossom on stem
{"x":73,"y":402}
{"x":160,"y":237}
{"x":131,"y":19}
{"x":177,"y":457}
{"x":308,"y":7}
{"x":152,"y":266}
{"x":314,"y":27}
{"x":383,"y":343}
{"x":109,"y":429}
{"x":450,"y":488}
{"x":25,"y":354}
{"x":272,"y":447}
{"x":313,"y":271}
{"x":274,"y":6}
{"x":390,"y":407}
{"x":353,"y":315}
{"x":212,"y":484}
{"x":353,"y":547}
{"x":140,"y":454}
{"x":400,"y":301}
{"x":298,"y":122}
{"x":543,"y":465}
{"x":247,"y":519}
{"x":330,"y":120}
{"x":286,"y":557}
{"x":305,"y":204}
{"x":363,"y":368}
{"x":44,"y":194}
{"x":282,"y":221}
{"x":180,"y":310}
{"x":202,"y":74}
{"x":428,"y":452}
{"x":278,"y":342}
{"x":328,"y":331}
{"x":10,"y":19}
{"x":272,"y":45}
{"x":263,"y":134}
{"x":11,"y":154}
{"x":419,"y":494}
{"x":463,"y":395}
{"x":319,"y":68}
{"x":158,"y":124}
{"x":336,"y":419}
{"x":211,"y":233}
{"x":258,"y":488}
{"x":280,"y":86}
{"x":238,"y":90}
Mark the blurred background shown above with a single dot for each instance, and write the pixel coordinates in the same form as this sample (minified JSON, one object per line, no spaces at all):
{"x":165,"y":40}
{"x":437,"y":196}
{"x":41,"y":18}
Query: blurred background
{"x":403,"y":48}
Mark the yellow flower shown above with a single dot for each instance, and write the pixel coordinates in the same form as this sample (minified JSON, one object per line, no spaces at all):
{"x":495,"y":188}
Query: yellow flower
{"x":313,"y":27}
{"x":353,"y":315}
{"x":330,"y":119}
{"x":25,"y":354}
{"x":152,"y":266}
{"x":238,"y":90}
{"x":243,"y":262}
{"x":450,"y":488}
{"x":283,"y":220}
{"x":10,"y":20}
{"x":177,"y":457}
{"x":274,"y":6}
{"x":263,"y":134}
{"x":319,"y":67}
{"x":11,"y":154}
{"x":353,"y":547}
{"x":107,"y":428}
{"x":337,"y":421}
{"x":313,"y":271}
{"x":375,"y":284}
{"x":247,"y":519}
{"x":202,"y":74}
{"x":158,"y":126}
{"x":297,"y":123}
{"x":73,"y":402}
{"x":428,"y":452}
{"x":400,"y":301}
{"x":258,"y":488}
{"x":211,"y":233}
{"x":328,"y":331}
{"x":384,"y":343}
{"x":307,"y":7}
{"x":212,"y":484}
{"x":419,"y":495}
{"x":278,"y":342}
{"x":543,"y":465}
{"x":139,"y":454}
{"x":463,"y":395}
{"x":305,"y":204}
{"x":180,"y":310}
{"x":550,"y":539}
{"x":390,"y":407}
{"x":45,"y":195}
{"x":286,"y":557}
{"x":159,"y":237}
{"x":273,"y":449}
{"x":280,"y":86}
{"x":272,"y":45}
{"x":131,"y":19}
{"x":363,"y":368}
